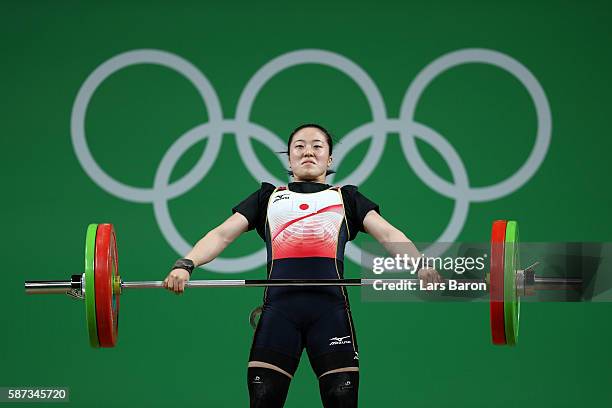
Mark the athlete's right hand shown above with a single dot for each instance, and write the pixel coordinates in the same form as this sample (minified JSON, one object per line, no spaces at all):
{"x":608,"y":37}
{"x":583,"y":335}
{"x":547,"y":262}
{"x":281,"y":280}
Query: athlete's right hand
{"x":176,"y":280}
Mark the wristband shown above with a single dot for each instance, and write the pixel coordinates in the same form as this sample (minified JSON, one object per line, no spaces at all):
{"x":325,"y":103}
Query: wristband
{"x":184,"y":263}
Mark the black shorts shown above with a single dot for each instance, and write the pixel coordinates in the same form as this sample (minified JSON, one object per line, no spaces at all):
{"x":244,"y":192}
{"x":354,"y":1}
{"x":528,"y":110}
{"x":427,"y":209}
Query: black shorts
{"x":324,"y":327}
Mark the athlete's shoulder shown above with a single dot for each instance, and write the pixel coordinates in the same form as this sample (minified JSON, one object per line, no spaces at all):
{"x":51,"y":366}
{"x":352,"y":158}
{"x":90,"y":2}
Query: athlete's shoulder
{"x":354,"y":197}
{"x":270,"y":188}
{"x":349,"y":187}
{"x":349,"y":190}
{"x":266,"y":189}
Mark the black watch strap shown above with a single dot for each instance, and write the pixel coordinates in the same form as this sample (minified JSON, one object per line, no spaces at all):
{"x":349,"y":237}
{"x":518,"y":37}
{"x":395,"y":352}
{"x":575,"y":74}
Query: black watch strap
{"x":184,"y":263}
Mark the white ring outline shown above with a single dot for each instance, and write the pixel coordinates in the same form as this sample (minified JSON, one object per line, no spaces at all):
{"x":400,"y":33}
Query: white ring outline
{"x":160,"y":204}
{"x":531,"y":84}
{"x":322,"y":57}
{"x":79,"y":111}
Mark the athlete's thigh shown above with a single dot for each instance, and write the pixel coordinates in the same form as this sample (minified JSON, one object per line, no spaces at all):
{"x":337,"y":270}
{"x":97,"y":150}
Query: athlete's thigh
{"x":277,"y":341}
{"x":331,"y":341}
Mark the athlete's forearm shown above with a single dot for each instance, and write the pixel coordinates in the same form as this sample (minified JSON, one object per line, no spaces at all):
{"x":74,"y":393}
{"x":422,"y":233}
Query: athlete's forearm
{"x":396,"y":243}
{"x":394,"y":240}
{"x":213,"y":243}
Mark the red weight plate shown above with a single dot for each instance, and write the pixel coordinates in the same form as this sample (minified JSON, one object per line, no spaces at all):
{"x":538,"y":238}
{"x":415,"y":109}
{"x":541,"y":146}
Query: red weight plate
{"x":104,"y":269}
{"x":496,"y":282}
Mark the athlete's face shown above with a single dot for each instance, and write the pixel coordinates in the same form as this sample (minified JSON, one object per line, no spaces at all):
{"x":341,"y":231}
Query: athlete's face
{"x":309,"y":156}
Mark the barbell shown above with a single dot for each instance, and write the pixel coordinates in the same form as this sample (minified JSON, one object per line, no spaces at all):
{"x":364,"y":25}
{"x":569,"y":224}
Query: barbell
{"x":100,"y":285}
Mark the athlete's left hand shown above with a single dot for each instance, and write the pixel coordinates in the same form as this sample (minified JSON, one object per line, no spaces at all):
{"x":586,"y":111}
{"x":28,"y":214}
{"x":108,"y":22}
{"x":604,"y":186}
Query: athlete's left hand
{"x":429,"y":275}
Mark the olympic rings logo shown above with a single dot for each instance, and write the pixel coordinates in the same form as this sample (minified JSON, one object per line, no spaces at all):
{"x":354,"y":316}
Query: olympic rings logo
{"x":407,"y":128}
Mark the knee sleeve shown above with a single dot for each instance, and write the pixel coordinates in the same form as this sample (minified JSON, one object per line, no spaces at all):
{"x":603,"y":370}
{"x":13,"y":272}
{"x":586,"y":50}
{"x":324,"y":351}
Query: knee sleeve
{"x":267,"y":388}
{"x":339,"y":390}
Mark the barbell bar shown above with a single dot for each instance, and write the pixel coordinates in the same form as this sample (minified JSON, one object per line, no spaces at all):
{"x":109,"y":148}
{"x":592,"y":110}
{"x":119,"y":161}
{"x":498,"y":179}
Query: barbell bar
{"x":101,"y":285}
{"x":64,"y":287}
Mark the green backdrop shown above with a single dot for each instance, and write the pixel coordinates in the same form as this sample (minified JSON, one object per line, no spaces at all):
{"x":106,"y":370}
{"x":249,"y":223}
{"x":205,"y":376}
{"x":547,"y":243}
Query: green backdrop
{"x":192,"y":350}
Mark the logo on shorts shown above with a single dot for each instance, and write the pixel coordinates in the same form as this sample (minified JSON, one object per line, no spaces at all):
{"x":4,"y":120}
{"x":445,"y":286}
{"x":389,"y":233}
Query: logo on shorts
{"x":339,"y":340}
{"x":257,"y":380}
{"x":356,"y":356}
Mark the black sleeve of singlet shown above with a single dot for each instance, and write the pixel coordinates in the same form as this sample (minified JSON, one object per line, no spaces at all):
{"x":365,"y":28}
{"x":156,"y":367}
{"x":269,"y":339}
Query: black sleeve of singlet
{"x":254,"y":208}
{"x":356,"y":206}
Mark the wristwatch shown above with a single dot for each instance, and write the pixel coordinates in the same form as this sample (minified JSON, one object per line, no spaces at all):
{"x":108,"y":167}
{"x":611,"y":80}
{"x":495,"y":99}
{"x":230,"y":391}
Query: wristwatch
{"x":184,"y":263}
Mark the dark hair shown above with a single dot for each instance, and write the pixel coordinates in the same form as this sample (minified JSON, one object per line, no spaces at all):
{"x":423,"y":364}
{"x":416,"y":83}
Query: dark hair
{"x":328,"y":137}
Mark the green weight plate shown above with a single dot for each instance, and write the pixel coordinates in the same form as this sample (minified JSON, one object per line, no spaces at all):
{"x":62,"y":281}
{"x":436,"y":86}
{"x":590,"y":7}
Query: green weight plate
{"x":90,"y":284}
{"x":512,"y":305}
